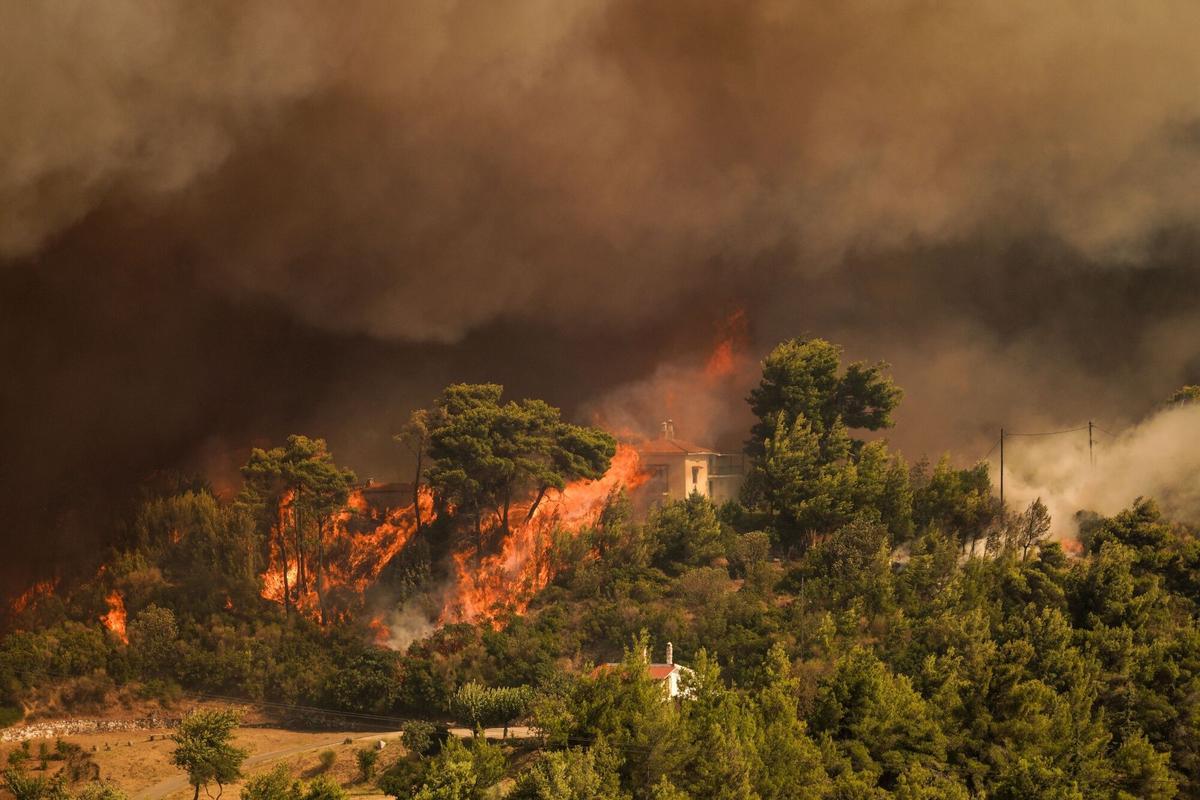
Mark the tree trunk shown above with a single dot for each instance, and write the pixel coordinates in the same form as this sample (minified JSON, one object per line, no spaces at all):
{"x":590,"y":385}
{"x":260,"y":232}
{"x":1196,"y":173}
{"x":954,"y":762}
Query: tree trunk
{"x":320,"y":567}
{"x":282,"y":558}
{"x":298,"y":524}
{"x":417,"y":488}
{"x":196,"y":794}
{"x":478,"y":538}
{"x":536,"y":502}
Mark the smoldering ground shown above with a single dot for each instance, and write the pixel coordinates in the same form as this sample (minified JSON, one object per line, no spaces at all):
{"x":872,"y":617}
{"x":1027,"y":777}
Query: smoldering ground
{"x":224,"y":222}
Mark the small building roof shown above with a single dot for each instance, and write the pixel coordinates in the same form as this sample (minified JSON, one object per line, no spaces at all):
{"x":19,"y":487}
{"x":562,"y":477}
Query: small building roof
{"x":658,"y":672}
{"x":673,"y":447}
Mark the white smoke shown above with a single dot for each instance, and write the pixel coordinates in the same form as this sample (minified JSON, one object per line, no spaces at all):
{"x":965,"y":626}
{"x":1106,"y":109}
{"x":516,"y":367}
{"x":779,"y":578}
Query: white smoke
{"x":1157,"y":458}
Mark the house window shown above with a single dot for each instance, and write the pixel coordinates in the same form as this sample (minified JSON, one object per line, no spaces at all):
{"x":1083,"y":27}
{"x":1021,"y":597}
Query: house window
{"x":695,"y":479}
{"x":658,"y":483}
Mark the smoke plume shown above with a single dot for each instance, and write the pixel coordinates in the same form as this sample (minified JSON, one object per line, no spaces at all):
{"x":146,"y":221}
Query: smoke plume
{"x":1156,"y":458}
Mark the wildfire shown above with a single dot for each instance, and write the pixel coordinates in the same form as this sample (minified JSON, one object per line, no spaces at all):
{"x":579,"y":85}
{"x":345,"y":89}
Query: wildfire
{"x":354,"y":558}
{"x":32,"y":595}
{"x":724,"y":361}
{"x":483,"y":586}
{"x":508,"y":580}
{"x":114,"y":620}
{"x":380,"y":629}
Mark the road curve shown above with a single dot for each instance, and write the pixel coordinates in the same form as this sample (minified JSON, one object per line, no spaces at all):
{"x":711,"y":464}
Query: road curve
{"x":178,"y":783}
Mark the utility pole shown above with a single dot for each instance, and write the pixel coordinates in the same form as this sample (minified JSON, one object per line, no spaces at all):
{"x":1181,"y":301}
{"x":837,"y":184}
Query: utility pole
{"x":1002,"y":470}
{"x":1091,"y":452}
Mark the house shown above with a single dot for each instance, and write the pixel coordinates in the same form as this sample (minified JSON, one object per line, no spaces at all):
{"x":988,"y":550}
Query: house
{"x":677,"y":468}
{"x":668,"y":673}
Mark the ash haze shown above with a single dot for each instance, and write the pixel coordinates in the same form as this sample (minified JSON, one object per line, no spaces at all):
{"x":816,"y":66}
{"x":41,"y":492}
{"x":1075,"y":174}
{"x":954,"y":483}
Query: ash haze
{"x":224,"y":222}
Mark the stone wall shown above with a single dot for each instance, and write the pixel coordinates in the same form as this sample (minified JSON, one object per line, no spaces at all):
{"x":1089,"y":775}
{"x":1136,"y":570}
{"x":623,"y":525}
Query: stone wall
{"x":52,"y":729}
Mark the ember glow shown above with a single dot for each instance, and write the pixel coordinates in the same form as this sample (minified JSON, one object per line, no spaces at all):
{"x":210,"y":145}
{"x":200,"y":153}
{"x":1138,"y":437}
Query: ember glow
{"x":490,"y":586}
{"x":32,"y":595}
{"x":353,"y":558}
{"x":728,"y":354}
{"x":114,"y":620}
{"x":383,"y":634}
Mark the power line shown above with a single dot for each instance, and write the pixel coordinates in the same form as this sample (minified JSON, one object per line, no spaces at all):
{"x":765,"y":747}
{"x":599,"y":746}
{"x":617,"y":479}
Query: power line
{"x":984,"y":457}
{"x":1048,"y":433}
{"x":1089,"y":427}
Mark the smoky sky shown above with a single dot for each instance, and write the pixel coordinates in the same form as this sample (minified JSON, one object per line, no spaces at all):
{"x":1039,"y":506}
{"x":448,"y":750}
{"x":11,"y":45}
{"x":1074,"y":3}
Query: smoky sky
{"x":224,"y":222}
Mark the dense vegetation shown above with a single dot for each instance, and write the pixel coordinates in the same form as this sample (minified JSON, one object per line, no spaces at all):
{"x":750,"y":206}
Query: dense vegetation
{"x":857,"y":627}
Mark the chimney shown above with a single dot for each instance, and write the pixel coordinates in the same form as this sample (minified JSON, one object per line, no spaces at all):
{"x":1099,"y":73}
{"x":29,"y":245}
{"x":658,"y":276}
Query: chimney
{"x":670,"y":654}
{"x":669,"y":428}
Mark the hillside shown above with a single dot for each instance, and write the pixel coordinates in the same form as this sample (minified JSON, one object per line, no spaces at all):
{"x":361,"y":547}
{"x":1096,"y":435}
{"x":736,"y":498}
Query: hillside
{"x":853,"y":626}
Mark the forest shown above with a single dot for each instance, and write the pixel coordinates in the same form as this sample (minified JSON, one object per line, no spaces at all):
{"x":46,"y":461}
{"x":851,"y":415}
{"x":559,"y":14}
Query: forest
{"x":855,"y":626}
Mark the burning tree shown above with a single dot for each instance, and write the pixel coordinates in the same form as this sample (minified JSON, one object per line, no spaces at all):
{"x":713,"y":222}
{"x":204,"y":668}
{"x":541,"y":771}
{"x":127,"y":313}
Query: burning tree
{"x":493,"y":481}
{"x":502,"y":476}
{"x":484,"y":457}
{"x":297,"y":486}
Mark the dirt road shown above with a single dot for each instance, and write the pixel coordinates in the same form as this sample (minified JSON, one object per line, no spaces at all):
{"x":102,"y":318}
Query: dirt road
{"x":179,"y":783}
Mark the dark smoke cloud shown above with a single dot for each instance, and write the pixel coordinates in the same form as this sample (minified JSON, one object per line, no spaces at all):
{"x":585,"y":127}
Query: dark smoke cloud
{"x":222,"y":222}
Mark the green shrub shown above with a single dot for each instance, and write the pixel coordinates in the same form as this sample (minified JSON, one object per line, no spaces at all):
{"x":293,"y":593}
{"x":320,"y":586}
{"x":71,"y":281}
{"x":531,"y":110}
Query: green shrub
{"x":419,"y":736}
{"x":274,"y":785}
{"x":31,"y":787}
{"x":328,"y":758}
{"x":101,"y":790}
{"x":403,"y":777}
{"x":367,"y":758}
{"x":323,"y":788}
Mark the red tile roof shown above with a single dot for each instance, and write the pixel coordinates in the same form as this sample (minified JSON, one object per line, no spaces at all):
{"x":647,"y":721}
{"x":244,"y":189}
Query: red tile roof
{"x":658,"y":672}
{"x":673,"y":447}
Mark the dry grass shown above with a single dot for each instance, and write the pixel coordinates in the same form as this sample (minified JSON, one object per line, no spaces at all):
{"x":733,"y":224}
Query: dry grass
{"x":139,"y":764}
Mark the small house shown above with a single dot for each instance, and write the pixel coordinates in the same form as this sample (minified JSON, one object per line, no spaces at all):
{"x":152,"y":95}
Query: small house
{"x":678,"y":468}
{"x":667,"y":673}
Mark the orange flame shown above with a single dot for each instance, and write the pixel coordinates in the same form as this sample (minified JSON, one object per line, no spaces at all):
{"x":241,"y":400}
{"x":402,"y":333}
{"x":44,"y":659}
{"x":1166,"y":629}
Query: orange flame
{"x":32,"y":595}
{"x":353,"y":559}
{"x":114,"y":620}
{"x":484,"y":587}
{"x":724,"y":360}
{"x":506,"y":582}
{"x":381,"y":631}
